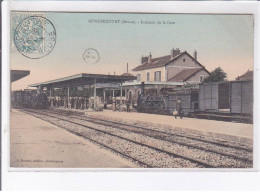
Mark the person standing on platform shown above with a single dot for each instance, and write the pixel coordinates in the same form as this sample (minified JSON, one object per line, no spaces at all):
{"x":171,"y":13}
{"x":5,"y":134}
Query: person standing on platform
{"x":76,"y":103}
{"x":54,"y":101}
{"x":57,"y":101}
{"x":86,"y":103}
{"x":72,"y":102}
{"x":82,"y":103}
{"x":128,"y":105}
{"x":178,"y":108}
{"x":66,"y":102}
{"x":114,"y":104}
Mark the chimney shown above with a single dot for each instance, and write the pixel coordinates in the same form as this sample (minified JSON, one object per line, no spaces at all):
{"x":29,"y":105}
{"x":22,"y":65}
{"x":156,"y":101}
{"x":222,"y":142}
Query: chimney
{"x":195,"y":55}
{"x":150,"y":58}
{"x":172,"y":53}
{"x":144,"y":59}
{"x":175,"y":52}
{"x":127,"y":68}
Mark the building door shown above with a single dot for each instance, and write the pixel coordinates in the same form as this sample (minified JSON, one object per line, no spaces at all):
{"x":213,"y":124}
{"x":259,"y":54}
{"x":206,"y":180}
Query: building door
{"x":224,"y":95}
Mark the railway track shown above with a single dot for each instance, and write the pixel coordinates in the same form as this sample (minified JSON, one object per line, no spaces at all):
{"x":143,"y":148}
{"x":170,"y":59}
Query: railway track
{"x":150,"y":147}
{"x":237,"y":152}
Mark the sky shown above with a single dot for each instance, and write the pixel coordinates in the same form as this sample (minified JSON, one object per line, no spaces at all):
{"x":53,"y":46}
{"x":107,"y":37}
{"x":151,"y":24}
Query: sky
{"x":220,"y":40}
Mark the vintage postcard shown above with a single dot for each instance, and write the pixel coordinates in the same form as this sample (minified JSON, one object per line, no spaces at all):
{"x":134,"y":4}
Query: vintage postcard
{"x":130,"y":95}
{"x":131,"y":90}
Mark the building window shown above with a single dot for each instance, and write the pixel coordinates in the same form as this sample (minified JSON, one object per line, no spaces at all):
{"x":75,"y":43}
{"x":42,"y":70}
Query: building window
{"x":157,"y":76}
{"x":148,"y":76}
{"x":138,"y":77}
{"x":201,"y":78}
{"x":183,"y":60}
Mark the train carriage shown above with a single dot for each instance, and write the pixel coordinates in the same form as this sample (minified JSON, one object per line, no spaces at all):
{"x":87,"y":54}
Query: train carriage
{"x":29,"y":99}
{"x":241,"y":100}
{"x":234,"y":97}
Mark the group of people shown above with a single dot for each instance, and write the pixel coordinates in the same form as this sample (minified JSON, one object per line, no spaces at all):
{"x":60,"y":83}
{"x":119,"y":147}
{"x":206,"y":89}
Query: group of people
{"x":75,"y":102}
{"x":78,"y":103}
{"x":82,"y":103}
{"x":124,"y":106}
{"x":55,"y":101}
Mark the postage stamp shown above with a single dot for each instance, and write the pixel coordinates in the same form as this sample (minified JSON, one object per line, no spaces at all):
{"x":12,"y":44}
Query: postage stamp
{"x":91,"y":56}
{"x":35,"y":37}
{"x":16,"y":18}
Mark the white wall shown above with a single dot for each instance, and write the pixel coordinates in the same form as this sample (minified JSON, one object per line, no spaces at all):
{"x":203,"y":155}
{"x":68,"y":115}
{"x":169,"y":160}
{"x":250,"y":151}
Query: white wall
{"x":169,"y":70}
{"x":144,"y":73}
{"x":177,"y":66}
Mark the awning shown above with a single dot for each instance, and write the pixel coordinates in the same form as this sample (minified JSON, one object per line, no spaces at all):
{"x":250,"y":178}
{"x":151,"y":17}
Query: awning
{"x":18,"y":74}
{"x":83,"y":79}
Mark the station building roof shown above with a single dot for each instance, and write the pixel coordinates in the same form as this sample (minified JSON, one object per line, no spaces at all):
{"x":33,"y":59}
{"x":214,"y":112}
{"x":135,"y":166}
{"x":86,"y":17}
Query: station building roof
{"x":83,"y":79}
{"x":249,"y":75}
{"x":18,"y":74}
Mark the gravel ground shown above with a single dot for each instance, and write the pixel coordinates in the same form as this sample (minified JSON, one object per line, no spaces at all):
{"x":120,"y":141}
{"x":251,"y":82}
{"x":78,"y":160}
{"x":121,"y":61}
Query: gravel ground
{"x":197,"y":154}
{"x":171,"y":137}
{"x":146,"y":155}
{"x":174,"y":131}
{"x":128,"y":143}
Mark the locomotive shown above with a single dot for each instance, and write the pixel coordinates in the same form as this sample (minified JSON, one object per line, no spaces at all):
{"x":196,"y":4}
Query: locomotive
{"x":29,"y":99}
{"x":152,"y":104}
{"x":228,"y":101}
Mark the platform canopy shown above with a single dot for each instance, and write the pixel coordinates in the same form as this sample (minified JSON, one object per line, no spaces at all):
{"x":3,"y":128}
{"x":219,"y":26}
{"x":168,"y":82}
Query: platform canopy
{"x":18,"y":74}
{"x":83,"y":79}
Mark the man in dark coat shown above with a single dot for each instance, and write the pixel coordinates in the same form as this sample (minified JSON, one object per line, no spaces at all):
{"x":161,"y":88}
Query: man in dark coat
{"x":128,"y":105}
{"x":72,"y":102}
{"x":179,"y":108}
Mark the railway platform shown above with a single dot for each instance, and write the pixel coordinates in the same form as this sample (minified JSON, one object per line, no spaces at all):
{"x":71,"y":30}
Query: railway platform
{"x":35,"y":143}
{"x":227,"y":131}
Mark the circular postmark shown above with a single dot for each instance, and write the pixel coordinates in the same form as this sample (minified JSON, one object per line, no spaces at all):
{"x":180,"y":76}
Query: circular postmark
{"x":91,"y":56}
{"x":35,"y":37}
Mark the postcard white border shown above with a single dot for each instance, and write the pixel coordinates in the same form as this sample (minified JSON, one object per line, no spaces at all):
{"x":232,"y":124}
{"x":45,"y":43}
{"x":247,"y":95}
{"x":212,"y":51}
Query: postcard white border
{"x":125,"y":179}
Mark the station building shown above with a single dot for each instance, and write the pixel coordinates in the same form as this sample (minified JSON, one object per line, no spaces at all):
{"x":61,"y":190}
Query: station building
{"x":176,"y":67}
{"x":249,"y":75}
{"x":167,"y":72}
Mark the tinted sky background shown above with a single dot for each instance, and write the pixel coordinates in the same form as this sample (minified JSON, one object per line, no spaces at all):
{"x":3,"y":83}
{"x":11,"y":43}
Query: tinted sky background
{"x":220,"y":40}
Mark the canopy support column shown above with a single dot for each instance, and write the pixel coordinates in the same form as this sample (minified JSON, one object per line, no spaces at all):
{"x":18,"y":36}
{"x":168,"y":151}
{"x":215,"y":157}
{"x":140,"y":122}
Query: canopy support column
{"x":51,"y":91}
{"x":126,"y":93}
{"x":104,"y":95}
{"x":95,"y":88}
{"x":95,"y":95}
{"x":68,"y":96}
{"x":121,"y":93}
